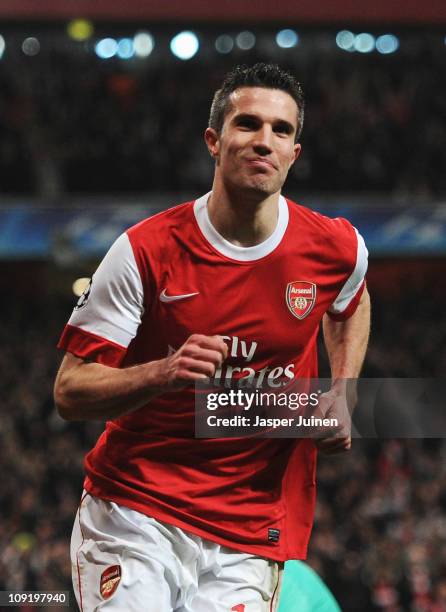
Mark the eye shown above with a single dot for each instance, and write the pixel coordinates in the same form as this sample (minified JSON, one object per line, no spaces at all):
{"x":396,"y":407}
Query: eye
{"x":283,"y":128}
{"x":247,"y":122}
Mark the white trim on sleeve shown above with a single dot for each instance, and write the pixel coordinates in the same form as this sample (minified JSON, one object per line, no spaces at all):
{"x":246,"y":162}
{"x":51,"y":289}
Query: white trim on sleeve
{"x":355,"y":280}
{"x":113,"y":308}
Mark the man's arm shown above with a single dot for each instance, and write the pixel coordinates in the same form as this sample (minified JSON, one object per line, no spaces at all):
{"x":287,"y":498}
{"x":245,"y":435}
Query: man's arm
{"x":91,"y":391}
{"x":346,"y":343}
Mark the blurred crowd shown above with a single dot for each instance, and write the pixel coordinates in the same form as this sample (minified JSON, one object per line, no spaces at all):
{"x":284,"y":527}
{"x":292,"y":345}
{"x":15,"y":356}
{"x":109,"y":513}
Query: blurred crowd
{"x":70,"y":122}
{"x":380,"y":533}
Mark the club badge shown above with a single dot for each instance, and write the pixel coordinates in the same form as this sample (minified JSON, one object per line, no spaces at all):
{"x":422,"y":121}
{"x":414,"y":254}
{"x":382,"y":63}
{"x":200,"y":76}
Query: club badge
{"x":300,"y":298}
{"x":110,"y":579}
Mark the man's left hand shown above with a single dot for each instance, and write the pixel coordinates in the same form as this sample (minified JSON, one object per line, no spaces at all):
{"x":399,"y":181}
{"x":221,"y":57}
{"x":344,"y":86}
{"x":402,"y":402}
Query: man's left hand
{"x":333,"y":405}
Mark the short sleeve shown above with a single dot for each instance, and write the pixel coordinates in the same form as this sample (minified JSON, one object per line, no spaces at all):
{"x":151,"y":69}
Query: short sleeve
{"x":108,"y":314}
{"x":348,"y":298}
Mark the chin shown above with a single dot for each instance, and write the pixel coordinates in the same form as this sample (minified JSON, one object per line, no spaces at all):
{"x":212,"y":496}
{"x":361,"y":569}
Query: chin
{"x":263,"y":187}
{"x":259,"y":186}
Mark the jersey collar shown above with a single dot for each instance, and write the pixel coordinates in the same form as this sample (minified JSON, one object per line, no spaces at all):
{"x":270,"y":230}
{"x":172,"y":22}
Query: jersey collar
{"x":233,"y":251}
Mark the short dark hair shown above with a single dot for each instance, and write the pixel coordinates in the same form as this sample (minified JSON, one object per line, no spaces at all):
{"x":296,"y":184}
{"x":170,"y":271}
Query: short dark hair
{"x":269,"y":76}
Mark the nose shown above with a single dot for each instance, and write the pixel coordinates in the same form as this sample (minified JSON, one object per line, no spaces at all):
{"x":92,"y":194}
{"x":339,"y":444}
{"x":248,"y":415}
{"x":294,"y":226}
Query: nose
{"x":262,"y":143}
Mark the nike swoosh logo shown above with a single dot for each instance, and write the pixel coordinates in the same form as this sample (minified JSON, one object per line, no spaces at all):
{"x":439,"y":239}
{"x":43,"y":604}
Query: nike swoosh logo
{"x":173,"y":298}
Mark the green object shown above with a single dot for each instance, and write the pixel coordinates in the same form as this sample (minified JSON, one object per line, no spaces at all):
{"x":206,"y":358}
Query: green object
{"x":303,"y":591}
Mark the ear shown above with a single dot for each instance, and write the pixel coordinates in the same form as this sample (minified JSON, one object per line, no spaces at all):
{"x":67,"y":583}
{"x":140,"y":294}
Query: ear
{"x":212,"y":141}
{"x":296,"y":152}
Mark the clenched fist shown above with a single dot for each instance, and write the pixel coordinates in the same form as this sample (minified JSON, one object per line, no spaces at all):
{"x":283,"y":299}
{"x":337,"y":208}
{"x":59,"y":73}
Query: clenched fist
{"x":197,"y":359}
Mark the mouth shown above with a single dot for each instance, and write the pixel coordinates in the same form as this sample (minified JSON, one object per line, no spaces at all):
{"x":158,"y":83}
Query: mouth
{"x":261,"y":163}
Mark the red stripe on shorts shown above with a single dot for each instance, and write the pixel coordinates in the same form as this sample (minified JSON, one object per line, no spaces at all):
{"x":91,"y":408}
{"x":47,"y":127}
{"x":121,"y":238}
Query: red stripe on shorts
{"x":77,"y":554}
{"x":272,"y":605}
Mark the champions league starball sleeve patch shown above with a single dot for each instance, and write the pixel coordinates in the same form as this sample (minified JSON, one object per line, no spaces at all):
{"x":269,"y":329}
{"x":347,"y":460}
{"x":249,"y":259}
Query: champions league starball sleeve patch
{"x":84,"y":297}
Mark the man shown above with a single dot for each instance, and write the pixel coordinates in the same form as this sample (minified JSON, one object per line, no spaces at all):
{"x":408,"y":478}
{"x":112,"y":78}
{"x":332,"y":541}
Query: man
{"x":232,"y":284}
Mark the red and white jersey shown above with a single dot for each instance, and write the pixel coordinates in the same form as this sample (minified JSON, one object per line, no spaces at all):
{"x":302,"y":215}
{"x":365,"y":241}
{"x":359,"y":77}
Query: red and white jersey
{"x":173,"y":275}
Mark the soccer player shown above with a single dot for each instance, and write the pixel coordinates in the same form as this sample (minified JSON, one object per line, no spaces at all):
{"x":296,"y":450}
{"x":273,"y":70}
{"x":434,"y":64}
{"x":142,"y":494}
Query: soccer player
{"x":234,"y":284}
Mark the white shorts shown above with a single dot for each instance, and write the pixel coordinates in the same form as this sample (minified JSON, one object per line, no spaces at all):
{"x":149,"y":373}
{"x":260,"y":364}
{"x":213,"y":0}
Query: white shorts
{"x":124,"y":561}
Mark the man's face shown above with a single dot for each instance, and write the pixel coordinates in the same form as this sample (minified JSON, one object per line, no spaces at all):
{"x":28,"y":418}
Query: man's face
{"x":256,"y":147}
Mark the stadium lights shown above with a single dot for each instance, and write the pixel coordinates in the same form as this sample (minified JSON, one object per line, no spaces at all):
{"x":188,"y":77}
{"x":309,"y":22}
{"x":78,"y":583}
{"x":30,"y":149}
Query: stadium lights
{"x":287,"y":39}
{"x":345,"y":40}
{"x":31,"y":46}
{"x":80,"y":29}
{"x":125,"y":48}
{"x":224,"y":43}
{"x":387,"y":43}
{"x":245,"y":40}
{"x":143,"y":44}
{"x":364,"y":43}
{"x":2,"y":46}
{"x":184,"y":45}
{"x":106,"y":48}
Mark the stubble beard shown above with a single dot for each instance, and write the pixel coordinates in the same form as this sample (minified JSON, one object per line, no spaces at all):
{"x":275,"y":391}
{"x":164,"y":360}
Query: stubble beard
{"x":258,"y":185}
{"x":265,"y":185}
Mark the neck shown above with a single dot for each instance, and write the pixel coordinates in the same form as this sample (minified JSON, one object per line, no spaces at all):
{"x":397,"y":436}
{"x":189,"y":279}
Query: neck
{"x":242,"y":219}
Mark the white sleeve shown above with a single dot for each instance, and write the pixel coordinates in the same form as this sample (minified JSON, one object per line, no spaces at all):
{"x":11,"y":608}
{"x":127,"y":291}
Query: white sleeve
{"x":112,"y":305}
{"x":355,"y":280}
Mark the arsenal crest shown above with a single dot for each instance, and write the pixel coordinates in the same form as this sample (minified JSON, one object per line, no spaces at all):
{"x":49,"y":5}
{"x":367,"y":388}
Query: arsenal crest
{"x":300,"y":298}
{"x":110,"y":579}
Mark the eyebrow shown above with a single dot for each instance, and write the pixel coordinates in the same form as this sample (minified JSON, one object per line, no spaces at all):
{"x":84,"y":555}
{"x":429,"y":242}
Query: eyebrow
{"x":282,"y":122}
